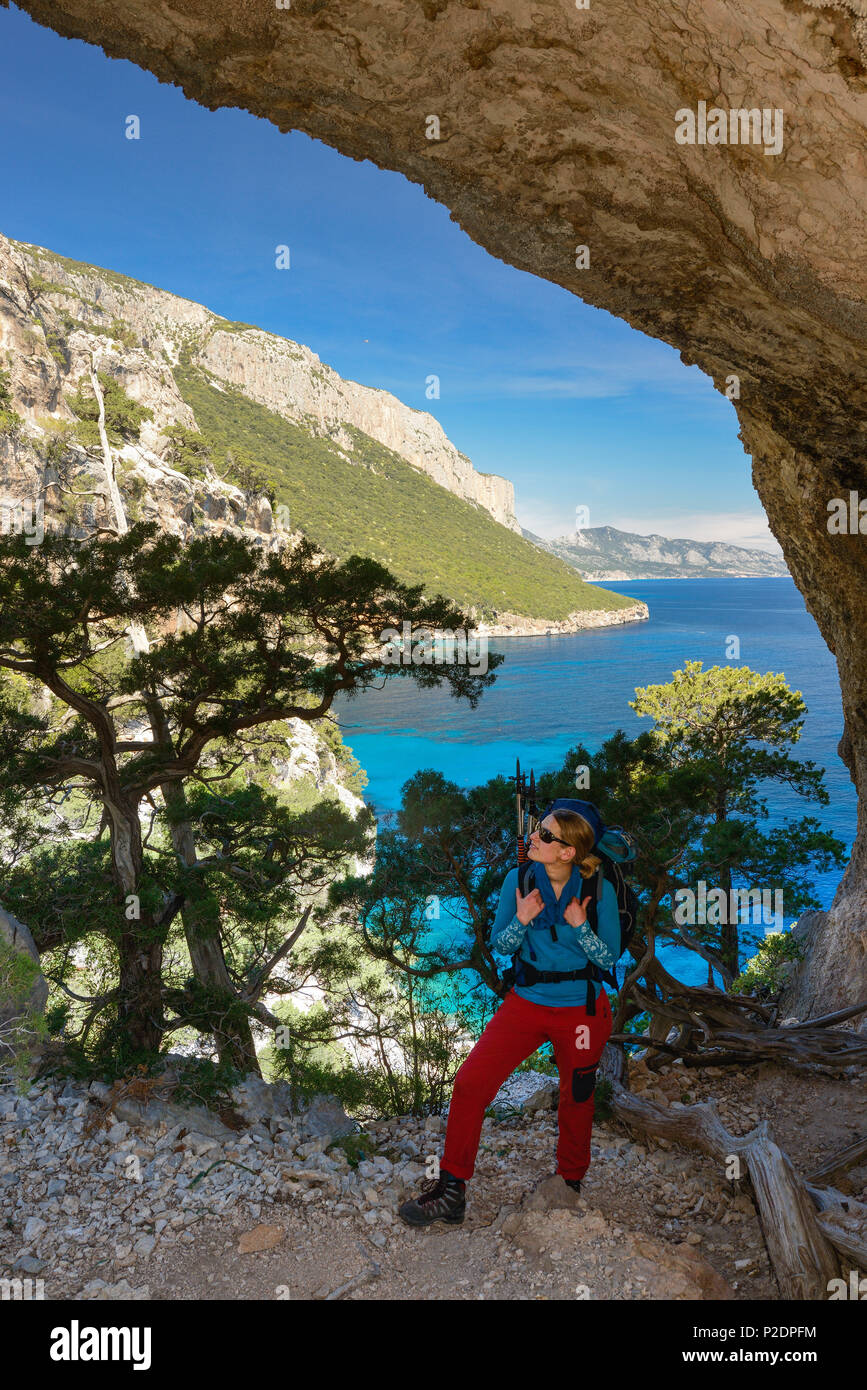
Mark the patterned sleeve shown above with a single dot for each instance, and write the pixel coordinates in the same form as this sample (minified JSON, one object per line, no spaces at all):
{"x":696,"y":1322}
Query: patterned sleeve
{"x":602,"y":949}
{"x":508,"y":931}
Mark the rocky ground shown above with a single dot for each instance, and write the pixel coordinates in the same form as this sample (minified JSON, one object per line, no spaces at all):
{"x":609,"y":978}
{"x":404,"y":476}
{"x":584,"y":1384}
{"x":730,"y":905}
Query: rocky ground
{"x":148,"y":1200}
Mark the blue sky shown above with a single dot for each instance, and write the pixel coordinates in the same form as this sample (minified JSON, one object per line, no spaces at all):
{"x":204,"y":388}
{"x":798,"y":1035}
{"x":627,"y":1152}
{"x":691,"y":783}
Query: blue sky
{"x":571,"y":404}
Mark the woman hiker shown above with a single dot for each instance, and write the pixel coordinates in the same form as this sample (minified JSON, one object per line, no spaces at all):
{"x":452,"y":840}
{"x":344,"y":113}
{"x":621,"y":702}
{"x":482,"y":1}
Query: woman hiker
{"x":568,"y":1013}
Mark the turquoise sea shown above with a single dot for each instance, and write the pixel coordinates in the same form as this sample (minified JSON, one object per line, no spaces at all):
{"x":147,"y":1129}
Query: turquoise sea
{"x":552,"y":692}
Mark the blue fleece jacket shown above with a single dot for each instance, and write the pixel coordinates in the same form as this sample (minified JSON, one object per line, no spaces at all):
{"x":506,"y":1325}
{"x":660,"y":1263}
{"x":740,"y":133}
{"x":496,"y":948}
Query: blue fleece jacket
{"x":575,"y":946}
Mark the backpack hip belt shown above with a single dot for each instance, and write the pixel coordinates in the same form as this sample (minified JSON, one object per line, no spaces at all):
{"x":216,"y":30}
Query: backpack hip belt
{"x":527,"y":974}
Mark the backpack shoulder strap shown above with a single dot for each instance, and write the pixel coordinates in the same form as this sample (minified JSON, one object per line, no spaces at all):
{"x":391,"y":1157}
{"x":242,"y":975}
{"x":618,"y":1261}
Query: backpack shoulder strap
{"x":598,"y":887}
{"x":525,"y":885}
{"x":595,"y":885}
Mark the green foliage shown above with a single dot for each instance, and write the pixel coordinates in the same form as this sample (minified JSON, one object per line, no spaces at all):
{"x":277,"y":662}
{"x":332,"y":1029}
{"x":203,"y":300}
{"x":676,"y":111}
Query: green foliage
{"x":122,"y":333}
{"x":40,"y":285}
{"x":726,"y":730}
{"x":235,"y":326}
{"x":202,"y":1081}
{"x":57,"y":1016}
{"x":542,"y":1060}
{"x":133,"y":487}
{"x":723,"y":712}
{"x":602,"y":1099}
{"x":187,"y":451}
{"x":765,"y":973}
{"x":454,"y":846}
{"x":388,"y":510}
{"x":72,"y":324}
{"x":248,"y":475}
{"x":123,"y":416}
{"x":351,"y":773}
{"x":48,"y":258}
{"x":450,"y":845}
{"x":355,"y":1146}
{"x":639,"y":1024}
{"x":11,"y":422}
{"x":407,"y":1050}
{"x":192,"y":1080}
{"x":23,"y":1027}
{"x":64,"y":887}
{"x":117,"y":330}
{"x":57,"y":346}
{"x":59,"y":434}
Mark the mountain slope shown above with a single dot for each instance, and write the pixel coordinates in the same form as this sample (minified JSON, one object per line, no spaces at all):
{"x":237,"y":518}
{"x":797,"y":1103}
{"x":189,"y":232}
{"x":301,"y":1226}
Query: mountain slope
{"x":388,"y":510}
{"x":283,"y":375}
{"x":232,"y":412}
{"x":603,"y":552}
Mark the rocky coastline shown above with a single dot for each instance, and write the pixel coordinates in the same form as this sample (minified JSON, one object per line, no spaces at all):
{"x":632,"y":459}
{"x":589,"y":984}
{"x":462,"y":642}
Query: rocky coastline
{"x":514,"y":625}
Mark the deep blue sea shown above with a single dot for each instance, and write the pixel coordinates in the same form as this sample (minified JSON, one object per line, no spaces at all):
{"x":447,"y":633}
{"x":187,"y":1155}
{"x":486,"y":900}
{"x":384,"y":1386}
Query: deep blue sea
{"x":553,"y":692}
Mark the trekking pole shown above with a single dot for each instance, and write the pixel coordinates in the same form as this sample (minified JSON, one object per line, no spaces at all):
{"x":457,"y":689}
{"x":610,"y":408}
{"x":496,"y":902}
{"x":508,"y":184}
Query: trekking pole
{"x":520,"y":791}
{"x":533,"y":818}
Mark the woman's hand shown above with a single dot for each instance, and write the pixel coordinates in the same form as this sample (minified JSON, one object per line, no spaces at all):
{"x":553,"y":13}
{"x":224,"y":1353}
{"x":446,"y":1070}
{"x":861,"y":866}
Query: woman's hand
{"x":576,"y":913}
{"x":529,"y":907}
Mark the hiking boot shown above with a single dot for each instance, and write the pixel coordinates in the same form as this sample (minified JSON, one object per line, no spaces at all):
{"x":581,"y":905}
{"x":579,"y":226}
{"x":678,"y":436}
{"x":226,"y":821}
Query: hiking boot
{"x":574,"y":1183}
{"x":442,"y":1199}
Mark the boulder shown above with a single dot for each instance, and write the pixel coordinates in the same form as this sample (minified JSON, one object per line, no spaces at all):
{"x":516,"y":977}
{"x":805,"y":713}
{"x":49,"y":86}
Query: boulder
{"x":528,"y":1091}
{"x":325,"y":1117}
{"x":257,"y":1100}
{"x":543,"y":1098}
{"x":152,"y":1113}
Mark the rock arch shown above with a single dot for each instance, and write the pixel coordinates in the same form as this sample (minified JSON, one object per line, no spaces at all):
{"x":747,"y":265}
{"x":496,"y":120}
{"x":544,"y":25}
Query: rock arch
{"x":557,"y":129}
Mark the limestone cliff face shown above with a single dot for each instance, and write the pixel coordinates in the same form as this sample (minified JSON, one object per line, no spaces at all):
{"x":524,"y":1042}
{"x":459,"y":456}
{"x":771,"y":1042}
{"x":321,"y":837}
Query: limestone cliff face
{"x":291,"y":380}
{"x":284,"y":376}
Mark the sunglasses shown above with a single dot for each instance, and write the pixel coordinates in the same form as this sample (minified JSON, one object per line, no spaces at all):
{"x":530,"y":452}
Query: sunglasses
{"x":548,"y":838}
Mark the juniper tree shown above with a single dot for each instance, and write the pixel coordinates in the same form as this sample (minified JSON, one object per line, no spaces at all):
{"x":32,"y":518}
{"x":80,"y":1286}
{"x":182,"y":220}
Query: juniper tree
{"x":731,"y":725}
{"x":237,"y":641}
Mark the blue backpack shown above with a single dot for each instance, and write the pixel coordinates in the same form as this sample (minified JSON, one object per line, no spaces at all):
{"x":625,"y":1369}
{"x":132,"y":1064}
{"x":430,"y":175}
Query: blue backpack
{"x":614,"y":847}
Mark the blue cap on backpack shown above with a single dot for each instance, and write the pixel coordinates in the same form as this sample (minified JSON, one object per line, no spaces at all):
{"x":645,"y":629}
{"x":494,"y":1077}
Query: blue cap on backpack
{"x":583,"y":808}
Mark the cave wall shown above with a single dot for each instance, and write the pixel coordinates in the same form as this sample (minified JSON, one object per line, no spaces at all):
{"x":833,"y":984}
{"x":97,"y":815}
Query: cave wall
{"x":557,"y":130}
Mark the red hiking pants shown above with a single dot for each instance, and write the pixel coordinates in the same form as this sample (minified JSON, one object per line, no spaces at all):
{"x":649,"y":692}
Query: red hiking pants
{"x":513,"y":1034}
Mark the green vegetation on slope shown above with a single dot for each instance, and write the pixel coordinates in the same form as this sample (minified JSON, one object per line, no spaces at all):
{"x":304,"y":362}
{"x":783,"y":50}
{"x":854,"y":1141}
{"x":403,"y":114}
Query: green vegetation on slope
{"x":379,"y":505}
{"x":41,"y":253}
{"x":123,"y":415}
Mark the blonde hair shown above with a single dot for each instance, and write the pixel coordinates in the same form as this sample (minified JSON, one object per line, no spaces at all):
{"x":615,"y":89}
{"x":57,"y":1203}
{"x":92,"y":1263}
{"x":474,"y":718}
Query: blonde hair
{"x":578,"y":832}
